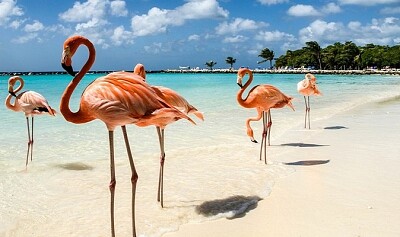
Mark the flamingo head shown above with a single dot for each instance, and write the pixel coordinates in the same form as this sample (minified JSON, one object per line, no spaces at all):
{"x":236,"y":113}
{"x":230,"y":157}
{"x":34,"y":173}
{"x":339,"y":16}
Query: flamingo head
{"x":11,"y":84}
{"x":69,"y":49}
{"x":140,"y":71}
{"x":311,"y":77}
{"x":240,"y":74}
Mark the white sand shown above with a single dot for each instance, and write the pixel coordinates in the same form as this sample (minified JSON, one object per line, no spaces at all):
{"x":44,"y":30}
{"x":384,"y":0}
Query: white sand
{"x":347,"y":181}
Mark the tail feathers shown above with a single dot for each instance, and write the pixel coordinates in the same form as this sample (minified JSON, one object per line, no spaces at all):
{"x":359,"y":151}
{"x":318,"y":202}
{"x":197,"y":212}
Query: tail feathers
{"x":289,"y":103}
{"x":197,"y":113}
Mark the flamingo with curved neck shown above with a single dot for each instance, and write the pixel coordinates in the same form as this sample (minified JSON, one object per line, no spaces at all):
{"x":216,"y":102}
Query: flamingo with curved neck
{"x":173,"y":98}
{"x":308,"y":87}
{"x":29,"y":102}
{"x":117,"y":99}
{"x":262,"y":98}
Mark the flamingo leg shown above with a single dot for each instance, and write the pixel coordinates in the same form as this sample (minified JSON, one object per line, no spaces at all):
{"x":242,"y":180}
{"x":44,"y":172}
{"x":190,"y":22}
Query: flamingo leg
{"x":134,"y":178}
{"x":305,"y":116}
{"x":160,"y":195}
{"x":29,"y":142}
{"x":32,"y":140}
{"x":269,"y":126}
{"x":113,"y":181}
{"x":263,"y":150}
{"x":309,"y":108}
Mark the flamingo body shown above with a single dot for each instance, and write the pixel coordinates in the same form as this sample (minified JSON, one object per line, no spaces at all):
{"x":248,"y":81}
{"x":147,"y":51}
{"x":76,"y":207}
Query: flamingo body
{"x":117,"y":99}
{"x":308,"y":87}
{"x":262,"y":98}
{"x":180,"y":103}
{"x":30,"y":103}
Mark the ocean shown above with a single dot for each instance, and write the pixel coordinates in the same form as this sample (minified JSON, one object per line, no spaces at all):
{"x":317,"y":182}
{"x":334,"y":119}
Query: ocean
{"x":212,"y":169}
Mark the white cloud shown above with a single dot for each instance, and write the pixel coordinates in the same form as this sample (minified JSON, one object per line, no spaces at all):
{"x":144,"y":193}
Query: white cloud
{"x":269,"y":36}
{"x":118,"y":8}
{"x":390,"y":10}
{"x":193,"y":37}
{"x":235,"y":39}
{"x":331,"y":8}
{"x":321,"y":30}
{"x":380,"y":31}
{"x":367,"y":2}
{"x":9,"y":9}
{"x":121,"y":36}
{"x":303,"y":10}
{"x":239,"y":24}
{"x":85,"y":11}
{"x":158,"y":20}
{"x":26,"y":38}
{"x":35,"y":26}
{"x":271,"y":2}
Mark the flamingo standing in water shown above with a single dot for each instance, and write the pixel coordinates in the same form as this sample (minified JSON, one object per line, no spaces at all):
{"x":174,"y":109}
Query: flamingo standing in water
{"x":117,"y":99}
{"x":262,"y":98}
{"x":29,"y":102}
{"x":308,"y":87}
{"x":179,"y":102}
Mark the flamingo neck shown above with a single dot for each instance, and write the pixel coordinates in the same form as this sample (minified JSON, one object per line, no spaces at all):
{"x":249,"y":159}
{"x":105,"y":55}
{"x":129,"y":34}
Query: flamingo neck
{"x":80,"y":116}
{"x":243,"y":102}
{"x":12,"y":93}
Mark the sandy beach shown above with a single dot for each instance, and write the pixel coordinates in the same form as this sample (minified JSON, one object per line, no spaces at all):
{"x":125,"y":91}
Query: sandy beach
{"x":346,"y":181}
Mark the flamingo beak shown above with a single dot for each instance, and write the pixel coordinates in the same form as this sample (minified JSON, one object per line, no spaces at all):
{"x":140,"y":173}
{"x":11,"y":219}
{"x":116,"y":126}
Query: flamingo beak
{"x":12,"y":93}
{"x":68,"y":69}
{"x":240,"y":84}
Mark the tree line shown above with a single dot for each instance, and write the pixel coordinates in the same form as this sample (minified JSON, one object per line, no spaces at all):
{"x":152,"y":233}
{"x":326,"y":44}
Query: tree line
{"x":341,"y":56}
{"x":338,"y":56}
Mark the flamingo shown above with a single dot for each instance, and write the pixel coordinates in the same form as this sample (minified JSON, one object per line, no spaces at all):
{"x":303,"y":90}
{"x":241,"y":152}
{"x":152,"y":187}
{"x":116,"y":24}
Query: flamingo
{"x":262,"y":98}
{"x":117,"y":99}
{"x":308,"y":87}
{"x":179,"y":102}
{"x":29,"y":102}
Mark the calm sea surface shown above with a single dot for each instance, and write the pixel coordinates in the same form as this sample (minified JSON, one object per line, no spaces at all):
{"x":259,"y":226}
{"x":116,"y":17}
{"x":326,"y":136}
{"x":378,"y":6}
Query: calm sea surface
{"x":65,"y":192}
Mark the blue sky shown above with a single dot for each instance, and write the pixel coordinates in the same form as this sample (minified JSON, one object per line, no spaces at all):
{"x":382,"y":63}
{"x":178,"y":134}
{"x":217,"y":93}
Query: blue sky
{"x":167,"y":34}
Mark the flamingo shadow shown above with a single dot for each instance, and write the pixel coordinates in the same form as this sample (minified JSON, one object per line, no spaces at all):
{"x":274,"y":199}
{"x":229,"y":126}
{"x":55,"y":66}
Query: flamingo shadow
{"x":232,"y":207}
{"x":300,"y":144}
{"x":308,"y":162}
{"x":77,"y":166}
{"x":336,"y":127}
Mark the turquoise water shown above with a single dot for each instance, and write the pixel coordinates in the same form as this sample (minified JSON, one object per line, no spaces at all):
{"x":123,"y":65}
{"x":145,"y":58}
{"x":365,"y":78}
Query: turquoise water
{"x":67,"y":182}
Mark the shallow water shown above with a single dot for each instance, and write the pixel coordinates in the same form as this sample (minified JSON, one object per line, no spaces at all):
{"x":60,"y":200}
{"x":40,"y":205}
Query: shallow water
{"x":212,"y":170}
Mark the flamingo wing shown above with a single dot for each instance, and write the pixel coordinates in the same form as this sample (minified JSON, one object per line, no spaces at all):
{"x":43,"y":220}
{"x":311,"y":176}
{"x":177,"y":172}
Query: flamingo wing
{"x":122,"y":98}
{"x":32,"y":102}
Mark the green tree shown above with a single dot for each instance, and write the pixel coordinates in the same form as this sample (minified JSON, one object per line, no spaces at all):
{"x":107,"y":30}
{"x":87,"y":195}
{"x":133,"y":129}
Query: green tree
{"x":210,"y":64}
{"x":315,"y":50}
{"x":230,"y":61}
{"x":267,"y":55}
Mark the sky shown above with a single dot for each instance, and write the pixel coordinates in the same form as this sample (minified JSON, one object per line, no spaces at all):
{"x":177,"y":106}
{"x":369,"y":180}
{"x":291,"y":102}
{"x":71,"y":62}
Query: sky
{"x":167,"y":34}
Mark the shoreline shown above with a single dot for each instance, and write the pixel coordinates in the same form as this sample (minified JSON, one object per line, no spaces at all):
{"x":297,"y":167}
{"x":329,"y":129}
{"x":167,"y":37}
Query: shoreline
{"x":228,"y":71}
{"x":343,"y":184}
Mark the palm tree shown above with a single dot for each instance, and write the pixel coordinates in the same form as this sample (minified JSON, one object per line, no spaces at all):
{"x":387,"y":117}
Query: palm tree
{"x":230,"y":61}
{"x":210,"y":64}
{"x":314,"y":48}
{"x":267,"y":55}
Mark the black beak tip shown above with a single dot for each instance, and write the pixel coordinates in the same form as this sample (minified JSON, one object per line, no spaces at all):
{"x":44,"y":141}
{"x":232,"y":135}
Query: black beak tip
{"x":240,"y":85}
{"x":68,"y":69}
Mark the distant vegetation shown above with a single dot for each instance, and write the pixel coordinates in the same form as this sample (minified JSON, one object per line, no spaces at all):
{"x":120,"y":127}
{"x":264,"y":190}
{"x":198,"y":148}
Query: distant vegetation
{"x":338,"y":56}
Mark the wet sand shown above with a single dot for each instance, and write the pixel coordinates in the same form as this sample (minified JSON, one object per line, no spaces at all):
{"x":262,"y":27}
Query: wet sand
{"x":346,"y":181}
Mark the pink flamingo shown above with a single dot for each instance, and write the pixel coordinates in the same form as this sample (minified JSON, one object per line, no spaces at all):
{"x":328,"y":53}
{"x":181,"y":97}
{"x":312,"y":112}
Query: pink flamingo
{"x":308,"y":87}
{"x":29,"y":102}
{"x":179,"y":102}
{"x":262,"y":98}
{"x":117,"y":99}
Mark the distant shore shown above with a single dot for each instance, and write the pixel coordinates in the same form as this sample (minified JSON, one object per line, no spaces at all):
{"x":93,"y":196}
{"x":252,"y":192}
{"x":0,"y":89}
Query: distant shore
{"x":234,"y":71}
